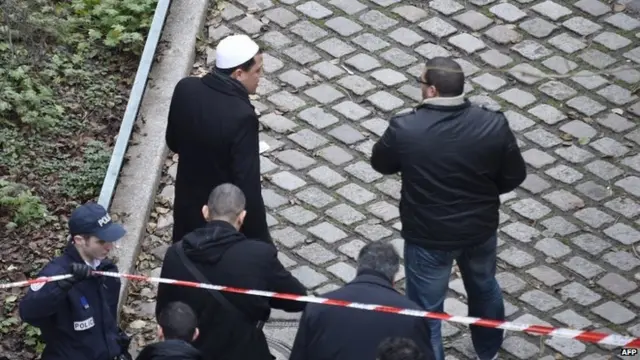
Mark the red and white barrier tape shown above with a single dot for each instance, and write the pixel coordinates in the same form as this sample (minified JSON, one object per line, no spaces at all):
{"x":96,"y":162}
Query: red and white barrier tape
{"x":586,"y":336}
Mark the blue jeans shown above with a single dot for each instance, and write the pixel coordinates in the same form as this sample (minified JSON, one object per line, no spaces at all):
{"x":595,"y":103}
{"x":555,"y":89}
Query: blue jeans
{"x":428,"y":272}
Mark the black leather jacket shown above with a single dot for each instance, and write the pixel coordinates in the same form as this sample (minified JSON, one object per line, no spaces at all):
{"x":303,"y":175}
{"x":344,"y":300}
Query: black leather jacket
{"x":455,"y":159}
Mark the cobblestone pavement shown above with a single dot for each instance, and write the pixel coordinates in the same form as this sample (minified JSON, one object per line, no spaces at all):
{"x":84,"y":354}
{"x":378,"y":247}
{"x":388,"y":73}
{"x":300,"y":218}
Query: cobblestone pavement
{"x":337,"y":70}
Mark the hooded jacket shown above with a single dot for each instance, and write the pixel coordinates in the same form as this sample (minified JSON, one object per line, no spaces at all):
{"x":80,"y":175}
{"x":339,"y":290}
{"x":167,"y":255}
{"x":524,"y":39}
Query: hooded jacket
{"x":226,"y":257}
{"x":213,"y":128}
{"x":170,"y":350}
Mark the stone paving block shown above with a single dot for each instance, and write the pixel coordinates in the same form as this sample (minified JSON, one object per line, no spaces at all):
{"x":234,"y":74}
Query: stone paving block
{"x":315,"y":254}
{"x":615,"y":122}
{"x":308,"y":31}
{"x":623,"y":233}
{"x":230,"y":12}
{"x":489,"y":82}
{"x":548,"y":114}
{"x":580,"y":294}
{"x":298,"y":215}
{"x":317,"y":117}
{"x":343,"y":26}
{"x":410,"y":13}
{"x":445,"y":7}
{"x":516,"y":258}
{"x":543,"y":138}
{"x":574,"y":154}
{"x":406,"y":37}
{"x":583,"y":267}
{"x":503,"y":34}
{"x":345,"y":214}
{"x":377,"y":20}
{"x":611,"y":40}
{"x":438,"y":27}
{"x":510,"y":283}
{"x":560,"y":65}
{"x":614,"y":313}
{"x":324,"y":93}
{"x":308,"y":277}
{"x":597,"y":58}
{"x":398,"y":57}
{"x":389,"y":77}
{"x":535,"y":184}
{"x":473,"y":20}
{"x":531,"y":50}
{"x":517,"y":121}
{"x":546,"y":275}
{"x":617,"y":95}
{"x":530,"y":209}
{"x":588,"y":79}
{"x":630,"y":184}
{"x":352,"y":248}
{"x":249,"y":24}
{"x":540,"y":300}
{"x":363,"y":62}
{"x":585,"y":105}
{"x":430,"y":51}
{"x":579,"y":129}
{"x":348,"y":6}
{"x":565,"y":174}
{"x":314,"y":10}
{"x":520,"y":231}
{"x":308,"y":139}
{"x":564,"y":200}
{"x":270,"y":63}
{"x":326,"y":176}
{"x":518,"y":97}
{"x":385,"y":101}
{"x":558,"y":225}
{"x":356,"y":194}
{"x":593,"y":217}
{"x":335,"y":155}
{"x":288,"y":237}
{"x":281,"y":16}
{"x":507,"y":12}
{"x":384,"y":210}
{"x":287,"y":180}
{"x":336,"y":48}
{"x":467,"y":43}
{"x":295,"y":78}
{"x":346,"y":134}
{"x":557,"y":90}
{"x":624,"y":206}
{"x":633,"y":55}
{"x":295,"y":159}
{"x":553,"y":248}
{"x":356,"y":84}
{"x":617,"y":284}
{"x":315,"y":197}
{"x":609,"y":147}
{"x":495,"y":58}
{"x":527,"y":74}
{"x":363,"y":171}
{"x":370,"y":42}
{"x":567,"y":347}
{"x":537,"y":158}
{"x":327,"y":232}
{"x":623,"y":21}
{"x":286,"y":261}
{"x":593,"y":190}
{"x":537,"y":27}
{"x":343,"y":271}
{"x":590,"y":243}
{"x":373,"y":232}
{"x":567,"y":43}
{"x":302,"y":55}
{"x":519,"y":347}
{"x":581,"y":26}
{"x":551,"y":10}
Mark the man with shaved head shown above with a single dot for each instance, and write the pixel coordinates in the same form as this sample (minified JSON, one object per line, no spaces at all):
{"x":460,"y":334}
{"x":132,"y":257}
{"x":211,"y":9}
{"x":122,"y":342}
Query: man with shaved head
{"x":220,"y":254}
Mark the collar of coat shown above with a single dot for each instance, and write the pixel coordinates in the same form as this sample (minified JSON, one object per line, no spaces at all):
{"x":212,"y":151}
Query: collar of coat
{"x":372,"y":276}
{"x":445,"y":101}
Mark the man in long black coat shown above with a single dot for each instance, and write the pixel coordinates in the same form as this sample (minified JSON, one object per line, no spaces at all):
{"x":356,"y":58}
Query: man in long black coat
{"x":213,"y":128}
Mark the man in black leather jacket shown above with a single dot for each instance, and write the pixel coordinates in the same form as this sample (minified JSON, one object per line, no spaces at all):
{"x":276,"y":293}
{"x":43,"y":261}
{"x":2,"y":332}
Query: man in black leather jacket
{"x":455,"y":159}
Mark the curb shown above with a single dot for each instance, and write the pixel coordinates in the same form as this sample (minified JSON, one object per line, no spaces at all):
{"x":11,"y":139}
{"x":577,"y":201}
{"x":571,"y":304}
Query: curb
{"x":138,"y":182}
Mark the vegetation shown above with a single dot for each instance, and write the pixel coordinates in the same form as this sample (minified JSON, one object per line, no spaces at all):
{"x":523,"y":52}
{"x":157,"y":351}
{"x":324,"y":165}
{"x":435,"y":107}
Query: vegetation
{"x":66,"y":67}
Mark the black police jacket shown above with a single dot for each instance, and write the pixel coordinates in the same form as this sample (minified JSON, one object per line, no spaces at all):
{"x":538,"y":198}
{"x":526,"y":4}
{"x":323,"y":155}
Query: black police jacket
{"x":455,"y":159}
{"x":80,"y":323}
{"x":226,"y":257}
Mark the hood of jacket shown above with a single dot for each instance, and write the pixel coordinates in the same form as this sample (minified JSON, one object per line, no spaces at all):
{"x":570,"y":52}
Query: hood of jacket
{"x":170,"y":350}
{"x":227,"y":85}
{"x":209,"y":243}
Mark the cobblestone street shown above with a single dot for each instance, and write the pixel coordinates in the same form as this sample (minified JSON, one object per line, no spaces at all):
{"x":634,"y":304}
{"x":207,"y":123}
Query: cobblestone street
{"x":565,"y":75}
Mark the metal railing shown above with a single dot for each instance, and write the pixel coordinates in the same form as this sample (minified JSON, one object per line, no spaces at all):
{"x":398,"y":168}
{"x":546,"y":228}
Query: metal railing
{"x":133,"y":105}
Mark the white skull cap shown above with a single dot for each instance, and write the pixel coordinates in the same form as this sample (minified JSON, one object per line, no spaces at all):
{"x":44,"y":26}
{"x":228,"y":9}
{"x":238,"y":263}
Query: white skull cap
{"x":235,"y":50}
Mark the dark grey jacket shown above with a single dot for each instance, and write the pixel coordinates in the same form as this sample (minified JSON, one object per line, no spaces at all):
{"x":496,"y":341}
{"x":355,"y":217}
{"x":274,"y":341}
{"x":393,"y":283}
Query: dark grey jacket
{"x":455,"y":160}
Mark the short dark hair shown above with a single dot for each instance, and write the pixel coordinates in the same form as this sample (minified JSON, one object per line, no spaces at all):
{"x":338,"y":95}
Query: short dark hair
{"x":399,"y":349}
{"x":178,"y":321}
{"x":226,"y":201}
{"x":446,"y":75}
{"x":379,"y":257}
{"x":246,"y":66}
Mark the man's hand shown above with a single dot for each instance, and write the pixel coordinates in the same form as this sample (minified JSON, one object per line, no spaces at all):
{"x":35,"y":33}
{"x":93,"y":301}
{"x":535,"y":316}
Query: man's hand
{"x":80,"y":272}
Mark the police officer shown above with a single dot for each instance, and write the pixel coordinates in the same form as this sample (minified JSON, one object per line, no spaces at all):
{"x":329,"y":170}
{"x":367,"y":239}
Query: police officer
{"x":77,"y":316}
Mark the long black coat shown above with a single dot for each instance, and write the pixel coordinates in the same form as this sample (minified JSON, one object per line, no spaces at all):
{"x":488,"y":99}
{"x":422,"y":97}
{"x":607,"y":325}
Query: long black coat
{"x":213,"y":128}
{"x":226,"y":257}
{"x":329,"y":332}
{"x":169,"y":350}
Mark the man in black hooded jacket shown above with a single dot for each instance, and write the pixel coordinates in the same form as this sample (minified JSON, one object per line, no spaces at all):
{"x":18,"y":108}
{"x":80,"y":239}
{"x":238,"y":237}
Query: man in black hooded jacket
{"x":177,"y":328}
{"x":222,"y":255}
{"x":213,"y":128}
